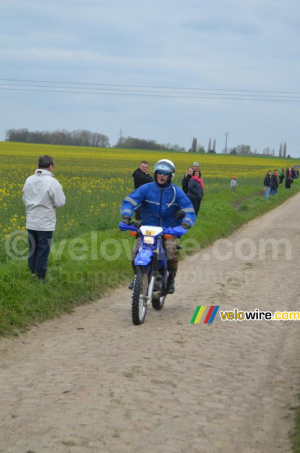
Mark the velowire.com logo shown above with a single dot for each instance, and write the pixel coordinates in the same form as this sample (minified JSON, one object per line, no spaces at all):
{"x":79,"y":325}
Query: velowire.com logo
{"x":210,"y":316}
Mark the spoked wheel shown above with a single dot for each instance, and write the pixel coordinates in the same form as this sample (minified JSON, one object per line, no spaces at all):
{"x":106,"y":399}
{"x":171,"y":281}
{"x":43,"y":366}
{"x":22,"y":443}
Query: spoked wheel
{"x":139,"y":297}
{"x":158,"y":304}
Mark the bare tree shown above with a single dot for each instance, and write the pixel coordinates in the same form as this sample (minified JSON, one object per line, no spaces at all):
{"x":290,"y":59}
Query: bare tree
{"x":284,"y":150}
{"x":243,"y":149}
{"x":194,"y":145}
{"x":209,"y":145}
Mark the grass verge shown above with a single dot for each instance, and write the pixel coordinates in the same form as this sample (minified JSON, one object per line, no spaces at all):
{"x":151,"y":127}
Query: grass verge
{"x":295,"y":435}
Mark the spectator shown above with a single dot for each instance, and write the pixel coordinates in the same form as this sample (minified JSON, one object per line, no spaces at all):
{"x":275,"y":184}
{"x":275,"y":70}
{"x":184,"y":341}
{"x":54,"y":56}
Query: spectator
{"x":42,"y":194}
{"x":281,"y":175}
{"x":233,"y":184}
{"x":274,"y":183}
{"x":140,"y":177}
{"x":196,"y":166}
{"x":288,"y":178}
{"x":267,"y":184}
{"x":186,"y":179}
{"x":195,"y":190}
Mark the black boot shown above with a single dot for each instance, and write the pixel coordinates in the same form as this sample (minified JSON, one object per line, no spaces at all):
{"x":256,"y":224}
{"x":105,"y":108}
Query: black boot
{"x":171,"y":283}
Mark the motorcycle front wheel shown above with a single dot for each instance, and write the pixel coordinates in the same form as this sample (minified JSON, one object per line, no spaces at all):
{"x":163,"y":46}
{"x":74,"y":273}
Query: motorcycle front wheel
{"x":139,"y":297}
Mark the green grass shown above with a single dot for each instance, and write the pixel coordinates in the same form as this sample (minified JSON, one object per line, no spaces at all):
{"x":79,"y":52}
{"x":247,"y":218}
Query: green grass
{"x":295,"y":435}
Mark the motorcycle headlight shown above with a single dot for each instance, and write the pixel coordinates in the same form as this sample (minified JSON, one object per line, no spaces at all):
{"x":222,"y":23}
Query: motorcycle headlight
{"x":149,"y":240}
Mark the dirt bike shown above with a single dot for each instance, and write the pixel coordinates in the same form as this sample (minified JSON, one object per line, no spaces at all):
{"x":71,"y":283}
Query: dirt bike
{"x":151,"y":278}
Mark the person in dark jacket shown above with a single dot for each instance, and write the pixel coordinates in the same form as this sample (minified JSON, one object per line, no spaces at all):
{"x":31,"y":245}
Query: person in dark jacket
{"x":186,"y":179}
{"x":195,"y":190}
{"x":267,"y":184}
{"x":140,"y":177}
{"x":274,"y":183}
{"x":288,"y":178}
{"x":281,"y":175}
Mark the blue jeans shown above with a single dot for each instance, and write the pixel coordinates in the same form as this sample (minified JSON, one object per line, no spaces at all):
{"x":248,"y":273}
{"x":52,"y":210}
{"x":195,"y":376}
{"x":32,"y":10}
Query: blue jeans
{"x":39,"y":249}
{"x":273,"y":191}
{"x":267,"y":192}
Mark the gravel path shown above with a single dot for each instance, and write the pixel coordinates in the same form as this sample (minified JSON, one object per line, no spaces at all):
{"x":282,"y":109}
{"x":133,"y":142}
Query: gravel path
{"x":93,"y":382}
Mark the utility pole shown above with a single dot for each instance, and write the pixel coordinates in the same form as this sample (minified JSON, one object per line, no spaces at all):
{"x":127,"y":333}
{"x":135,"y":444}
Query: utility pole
{"x":226,"y":134}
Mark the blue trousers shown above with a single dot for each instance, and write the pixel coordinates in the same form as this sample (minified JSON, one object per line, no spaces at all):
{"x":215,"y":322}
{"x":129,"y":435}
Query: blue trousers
{"x":39,"y":249}
{"x":267,"y":192}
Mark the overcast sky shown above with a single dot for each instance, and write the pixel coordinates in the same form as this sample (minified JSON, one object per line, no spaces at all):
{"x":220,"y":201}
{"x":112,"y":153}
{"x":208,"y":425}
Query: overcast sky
{"x":162,"y":69}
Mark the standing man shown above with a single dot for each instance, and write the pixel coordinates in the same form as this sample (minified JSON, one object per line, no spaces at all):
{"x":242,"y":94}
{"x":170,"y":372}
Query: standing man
{"x":267,"y":184}
{"x":186,"y":179}
{"x":42,"y":194}
{"x":140,"y":177}
{"x":196,"y":166}
{"x":274,"y":183}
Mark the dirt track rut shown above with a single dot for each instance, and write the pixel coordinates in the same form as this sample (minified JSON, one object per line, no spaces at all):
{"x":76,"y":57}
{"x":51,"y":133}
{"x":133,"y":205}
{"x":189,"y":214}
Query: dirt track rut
{"x":93,"y":382}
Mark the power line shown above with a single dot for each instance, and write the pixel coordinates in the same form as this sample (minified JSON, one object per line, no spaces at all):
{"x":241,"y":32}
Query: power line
{"x":136,"y":90}
{"x":92,"y":90}
{"x":152,"y":87}
{"x":140,"y":94}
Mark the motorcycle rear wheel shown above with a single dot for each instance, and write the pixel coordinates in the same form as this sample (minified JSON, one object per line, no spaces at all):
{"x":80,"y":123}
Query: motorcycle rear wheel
{"x":139,"y":297}
{"x":158,"y":304}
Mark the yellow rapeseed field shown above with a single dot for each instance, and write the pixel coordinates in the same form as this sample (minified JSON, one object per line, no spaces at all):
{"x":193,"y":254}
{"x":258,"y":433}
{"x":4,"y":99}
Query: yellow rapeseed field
{"x":95,"y":180}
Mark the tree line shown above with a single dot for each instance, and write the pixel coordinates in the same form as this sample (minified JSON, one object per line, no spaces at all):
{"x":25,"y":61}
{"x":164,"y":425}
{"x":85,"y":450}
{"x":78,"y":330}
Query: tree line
{"x":58,"y":137}
{"x":94,"y":139}
{"x":244,"y":150}
{"x":139,"y":143}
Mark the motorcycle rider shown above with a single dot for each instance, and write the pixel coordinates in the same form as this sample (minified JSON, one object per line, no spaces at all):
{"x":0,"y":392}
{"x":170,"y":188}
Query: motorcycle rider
{"x":159,"y":202}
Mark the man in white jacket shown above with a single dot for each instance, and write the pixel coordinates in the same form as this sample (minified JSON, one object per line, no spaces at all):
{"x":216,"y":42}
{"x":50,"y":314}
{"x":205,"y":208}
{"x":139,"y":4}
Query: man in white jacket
{"x":42,"y":194}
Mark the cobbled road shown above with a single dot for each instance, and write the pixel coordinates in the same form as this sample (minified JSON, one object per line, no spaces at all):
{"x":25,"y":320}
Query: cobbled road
{"x":93,"y":382}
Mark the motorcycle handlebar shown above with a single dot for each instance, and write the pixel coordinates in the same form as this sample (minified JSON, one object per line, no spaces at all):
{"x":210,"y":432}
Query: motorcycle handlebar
{"x":174,"y":231}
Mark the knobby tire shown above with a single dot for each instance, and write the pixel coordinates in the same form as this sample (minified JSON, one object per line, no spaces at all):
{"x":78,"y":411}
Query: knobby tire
{"x":158,"y":304}
{"x":139,"y":292}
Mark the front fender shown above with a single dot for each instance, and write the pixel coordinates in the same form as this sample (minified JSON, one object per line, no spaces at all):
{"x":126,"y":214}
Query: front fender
{"x":143,"y":257}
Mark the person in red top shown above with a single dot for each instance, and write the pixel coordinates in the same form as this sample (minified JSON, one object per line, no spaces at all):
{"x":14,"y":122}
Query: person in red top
{"x":274,"y":183}
{"x":195,"y":190}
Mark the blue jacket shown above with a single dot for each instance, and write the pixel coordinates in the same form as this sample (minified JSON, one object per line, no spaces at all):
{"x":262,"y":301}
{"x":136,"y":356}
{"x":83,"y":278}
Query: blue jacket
{"x":164,"y":201}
